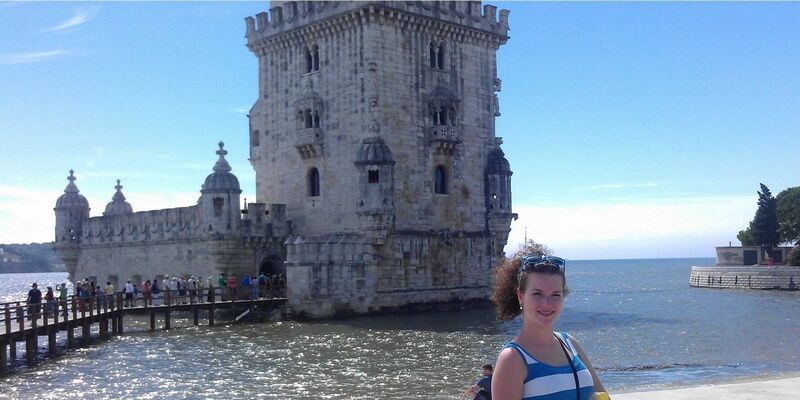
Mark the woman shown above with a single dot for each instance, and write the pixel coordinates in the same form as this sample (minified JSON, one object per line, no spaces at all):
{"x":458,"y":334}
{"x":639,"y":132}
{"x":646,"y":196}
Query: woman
{"x":539,"y":363}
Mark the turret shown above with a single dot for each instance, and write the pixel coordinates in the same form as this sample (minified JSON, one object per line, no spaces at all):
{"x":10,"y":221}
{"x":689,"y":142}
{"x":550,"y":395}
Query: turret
{"x":118,"y":205}
{"x":498,"y":198}
{"x":71,"y":210}
{"x":375,"y":167}
{"x":219,"y":200}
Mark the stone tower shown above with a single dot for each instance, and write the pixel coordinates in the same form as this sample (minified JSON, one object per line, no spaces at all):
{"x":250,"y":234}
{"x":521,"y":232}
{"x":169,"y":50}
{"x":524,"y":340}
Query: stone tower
{"x":71,"y":210}
{"x":374,"y":125}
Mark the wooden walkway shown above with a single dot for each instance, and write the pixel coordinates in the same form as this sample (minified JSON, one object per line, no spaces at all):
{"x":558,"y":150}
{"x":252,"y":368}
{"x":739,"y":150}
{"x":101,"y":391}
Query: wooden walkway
{"x":19,"y":322}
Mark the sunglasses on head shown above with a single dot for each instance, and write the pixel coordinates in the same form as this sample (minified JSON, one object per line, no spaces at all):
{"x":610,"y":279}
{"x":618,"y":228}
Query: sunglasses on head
{"x":529,"y":262}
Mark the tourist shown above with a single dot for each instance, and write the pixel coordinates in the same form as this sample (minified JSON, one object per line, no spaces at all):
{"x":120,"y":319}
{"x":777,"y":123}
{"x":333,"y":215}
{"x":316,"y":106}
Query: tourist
{"x":199,"y":286}
{"x":50,"y":298}
{"x":128,"y":293}
{"x":223,"y":283}
{"x":209,"y":285}
{"x":181,"y":286}
{"x":62,"y":295}
{"x":110,"y":291}
{"x":245,"y":285}
{"x":262,"y":285}
{"x":191,"y":284}
{"x":551,"y":362}
{"x":165,"y":286}
{"x":147,"y":292}
{"x":33,"y":301}
{"x":156,"y":291}
{"x":232,"y":286}
{"x":173,"y":290}
{"x":482,"y":390}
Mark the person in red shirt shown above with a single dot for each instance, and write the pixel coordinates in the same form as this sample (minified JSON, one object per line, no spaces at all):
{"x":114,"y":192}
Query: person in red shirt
{"x":232,"y":286}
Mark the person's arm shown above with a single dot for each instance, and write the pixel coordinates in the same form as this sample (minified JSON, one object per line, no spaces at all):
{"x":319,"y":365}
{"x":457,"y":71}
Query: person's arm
{"x":598,"y":386}
{"x":509,"y":375}
{"x":471,"y":391}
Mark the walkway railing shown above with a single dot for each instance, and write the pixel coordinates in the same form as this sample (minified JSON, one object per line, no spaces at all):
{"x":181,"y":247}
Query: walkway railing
{"x":19,"y":321}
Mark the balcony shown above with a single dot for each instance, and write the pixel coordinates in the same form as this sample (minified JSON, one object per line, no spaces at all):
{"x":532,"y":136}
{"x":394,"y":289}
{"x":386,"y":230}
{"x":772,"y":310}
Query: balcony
{"x":444,"y":138}
{"x":308,"y":142}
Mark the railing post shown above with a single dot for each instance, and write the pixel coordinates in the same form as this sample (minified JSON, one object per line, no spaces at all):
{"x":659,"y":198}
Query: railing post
{"x":7,"y":313}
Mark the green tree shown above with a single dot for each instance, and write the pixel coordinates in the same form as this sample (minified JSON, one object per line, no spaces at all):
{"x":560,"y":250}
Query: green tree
{"x":746,"y":237}
{"x":764,"y":226}
{"x":788,"y":213}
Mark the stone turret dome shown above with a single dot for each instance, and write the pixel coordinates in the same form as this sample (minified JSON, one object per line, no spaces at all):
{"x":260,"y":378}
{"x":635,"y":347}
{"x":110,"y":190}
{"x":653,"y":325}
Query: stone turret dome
{"x":497,"y":163}
{"x":72,"y":197}
{"x":374,"y":151}
{"x":222,"y":180}
{"x":118,"y":205}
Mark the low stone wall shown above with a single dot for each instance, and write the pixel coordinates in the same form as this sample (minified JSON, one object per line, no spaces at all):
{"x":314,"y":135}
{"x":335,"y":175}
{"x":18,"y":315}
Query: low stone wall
{"x":780,"y":277}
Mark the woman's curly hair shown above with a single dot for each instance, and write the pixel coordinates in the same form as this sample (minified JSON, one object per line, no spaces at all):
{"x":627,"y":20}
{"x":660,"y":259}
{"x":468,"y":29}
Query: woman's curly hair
{"x":506,"y":281}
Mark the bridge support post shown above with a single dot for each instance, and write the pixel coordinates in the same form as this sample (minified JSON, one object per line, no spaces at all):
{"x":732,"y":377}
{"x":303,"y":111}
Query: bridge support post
{"x":3,"y":358}
{"x":51,"y":340}
{"x":86,"y":331}
{"x":152,"y":320}
{"x":121,"y":312}
{"x":12,"y":348}
{"x":211,"y":307}
{"x":167,"y":324}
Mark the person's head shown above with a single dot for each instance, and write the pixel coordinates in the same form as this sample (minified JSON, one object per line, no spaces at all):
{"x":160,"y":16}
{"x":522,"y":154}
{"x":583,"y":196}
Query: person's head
{"x":487,"y":370}
{"x":108,"y":283}
{"x":34,"y":285}
{"x":49,"y":288}
{"x":527,"y":279}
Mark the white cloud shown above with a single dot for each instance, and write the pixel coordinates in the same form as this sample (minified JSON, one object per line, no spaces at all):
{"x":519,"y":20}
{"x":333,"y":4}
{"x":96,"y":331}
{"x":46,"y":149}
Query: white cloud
{"x":31,"y":57}
{"x":681,"y":227}
{"x":78,"y":17}
{"x":241,"y":110}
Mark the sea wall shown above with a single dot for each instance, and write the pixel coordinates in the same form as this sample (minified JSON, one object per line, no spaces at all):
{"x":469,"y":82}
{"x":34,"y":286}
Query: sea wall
{"x":779,"y":277}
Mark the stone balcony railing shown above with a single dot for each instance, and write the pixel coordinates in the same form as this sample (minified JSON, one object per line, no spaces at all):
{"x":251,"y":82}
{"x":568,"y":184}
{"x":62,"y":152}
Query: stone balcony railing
{"x":308,"y":142}
{"x":444,"y":138}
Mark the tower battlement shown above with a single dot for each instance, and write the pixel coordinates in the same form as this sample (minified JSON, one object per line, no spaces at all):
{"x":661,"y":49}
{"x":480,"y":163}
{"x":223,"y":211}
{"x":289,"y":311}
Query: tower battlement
{"x":289,"y":15}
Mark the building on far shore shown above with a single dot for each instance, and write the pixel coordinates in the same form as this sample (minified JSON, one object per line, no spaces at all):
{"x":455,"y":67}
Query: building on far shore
{"x":380,"y":182}
{"x":748,"y":267}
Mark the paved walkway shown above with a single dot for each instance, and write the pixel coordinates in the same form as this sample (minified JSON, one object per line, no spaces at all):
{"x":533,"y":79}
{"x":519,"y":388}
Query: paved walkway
{"x":781,"y":389}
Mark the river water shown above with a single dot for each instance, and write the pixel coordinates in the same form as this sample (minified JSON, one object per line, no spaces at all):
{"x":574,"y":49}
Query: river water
{"x":639,"y":321}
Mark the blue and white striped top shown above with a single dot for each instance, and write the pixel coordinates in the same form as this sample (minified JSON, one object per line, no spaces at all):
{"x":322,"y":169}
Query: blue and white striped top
{"x":546,"y":382}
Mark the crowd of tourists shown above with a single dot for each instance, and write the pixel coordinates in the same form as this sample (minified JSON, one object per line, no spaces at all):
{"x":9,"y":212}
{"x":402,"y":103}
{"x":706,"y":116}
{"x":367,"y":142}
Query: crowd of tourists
{"x":172,"y":290}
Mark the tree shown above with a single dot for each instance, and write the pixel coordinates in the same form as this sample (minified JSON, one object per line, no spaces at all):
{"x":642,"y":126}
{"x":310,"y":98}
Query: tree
{"x":746,"y":237}
{"x":531,"y":247}
{"x":764,"y":227}
{"x":788,"y":213}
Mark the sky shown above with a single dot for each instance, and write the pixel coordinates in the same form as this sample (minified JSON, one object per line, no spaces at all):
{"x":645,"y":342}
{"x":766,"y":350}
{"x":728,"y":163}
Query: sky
{"x":634,"y":129}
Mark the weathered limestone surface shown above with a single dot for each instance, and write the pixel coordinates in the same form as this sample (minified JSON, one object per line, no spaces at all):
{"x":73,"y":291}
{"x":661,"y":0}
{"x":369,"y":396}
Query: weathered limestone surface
{"x":380,"y":180}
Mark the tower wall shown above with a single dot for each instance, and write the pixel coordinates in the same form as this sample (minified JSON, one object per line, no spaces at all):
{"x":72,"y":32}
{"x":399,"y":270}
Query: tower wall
{"x":420,"y":76}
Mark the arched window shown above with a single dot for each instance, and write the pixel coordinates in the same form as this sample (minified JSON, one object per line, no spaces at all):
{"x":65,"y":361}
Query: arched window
{"x":374,"y":176}
{"x":440,"y":180}
{"x":432,"y":51}
{"x":315,"y":57}
{"x":440,"y":57}
{"x":308,"y":58}
{"x":316,"y":119}
{"x":309,"y":122}
{"x":313,"y":182}
{"x":219,"y":202}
